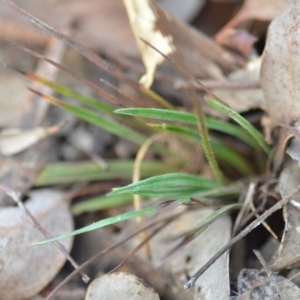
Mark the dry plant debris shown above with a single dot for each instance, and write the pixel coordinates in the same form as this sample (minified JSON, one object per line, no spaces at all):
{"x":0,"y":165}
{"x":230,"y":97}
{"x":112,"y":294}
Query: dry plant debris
{"x":143,"y":19}
{"x":189,"y":71}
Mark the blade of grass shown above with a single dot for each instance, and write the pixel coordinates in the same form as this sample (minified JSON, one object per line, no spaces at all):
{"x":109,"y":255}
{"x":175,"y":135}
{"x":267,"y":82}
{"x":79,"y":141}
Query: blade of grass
{"x":100,"y":203}
{"x":63,"y":90}
{"x":223,"y":152}
{"x":67,"y":92}
{"x":176,"y":193}
{"x":71,"y":172}
{"x":189,"y":118}
{"x":212,"y":217}
{"x":107,"y":124}
{"x":193,"y":233}
{"x":89,"y":102}
{"x":241,"y":121}
{"x":167,"y":182}
{"x":102,"y":223}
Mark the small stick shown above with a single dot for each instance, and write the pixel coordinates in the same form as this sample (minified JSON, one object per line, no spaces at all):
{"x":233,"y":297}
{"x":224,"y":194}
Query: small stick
{"x":245,"y":207}
{"x":213,"y":84}
{"x":268,"y":228}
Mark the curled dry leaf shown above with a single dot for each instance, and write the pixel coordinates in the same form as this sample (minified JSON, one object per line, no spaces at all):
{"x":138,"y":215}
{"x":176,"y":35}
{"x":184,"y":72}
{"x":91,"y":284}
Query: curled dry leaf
{"x":119,"y":286}
{"x":143,"y":17}
{"x":15,"y":140}
{"x":288,"y":253}
{"x":264,"y":10}
{"x":214,"y":283}
{"x":293,"y":150}
{"x":254,"y":286}
{"x":26,"y":269}
{"x":239,"y":40}
{"x":281,"y":67}
{"x":242,"y":99}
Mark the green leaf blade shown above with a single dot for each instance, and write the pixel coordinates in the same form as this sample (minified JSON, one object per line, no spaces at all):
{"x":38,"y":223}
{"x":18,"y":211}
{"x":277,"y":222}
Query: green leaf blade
{"x":72,"y":172}
{"x":168,"y":183}
{"x":242,"y":122}
{"x":102,"y":223}
{"x":189,"y":118}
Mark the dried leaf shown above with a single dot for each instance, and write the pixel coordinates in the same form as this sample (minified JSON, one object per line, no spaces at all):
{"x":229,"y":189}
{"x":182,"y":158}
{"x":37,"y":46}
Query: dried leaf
{"x":26,"y":270}
{"x":214,"y":284}
{"x":15,"y":140}
{"x":288,"y":253}
{"x":243,"y":99}
{"x":281,"y":67}
{"x":239,"y":40}
{"x":119,"y":286}
{"x":264,"y":10}
{"x":143,"y":17}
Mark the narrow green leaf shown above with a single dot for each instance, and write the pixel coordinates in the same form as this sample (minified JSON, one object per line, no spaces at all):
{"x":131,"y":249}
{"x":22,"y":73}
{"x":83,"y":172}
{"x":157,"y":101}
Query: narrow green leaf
{"x":242,"y":122}
{"x":100,"y":203}
{"x":70,"y":172}
{"x":105,"y":123}
{"x":103,"y":223}
{"x":176,"y":193}
{"x":188,"y":118}
{"x":212,"y":217}
{"x":65,"y":91}
{"x":168,"y":183}
{"x":193,"y":233}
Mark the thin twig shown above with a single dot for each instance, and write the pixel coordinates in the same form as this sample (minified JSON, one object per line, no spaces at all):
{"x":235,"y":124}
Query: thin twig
{"x":262,"y":262}
{"x":245,"y":207}
{"x":268,"y":228}
{"x":213,"y":84}
{"x":242,"y":234}
{"x":97,"y":89}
